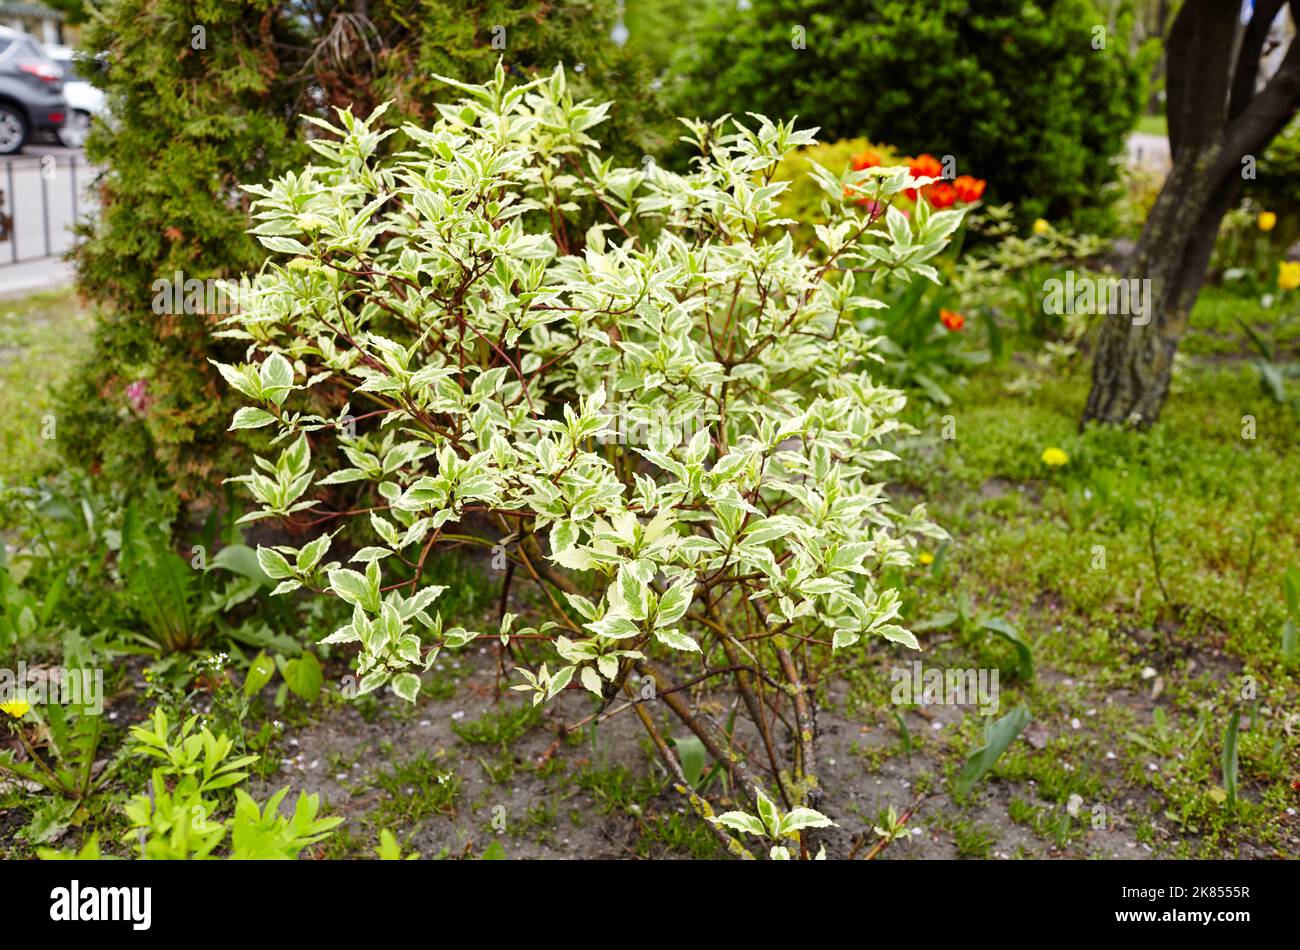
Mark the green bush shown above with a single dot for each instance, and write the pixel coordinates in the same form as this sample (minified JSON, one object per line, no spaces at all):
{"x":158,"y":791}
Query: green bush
{"x":1014,"y":90}
{"x":206,"y":96}
{"x":667,"y":422}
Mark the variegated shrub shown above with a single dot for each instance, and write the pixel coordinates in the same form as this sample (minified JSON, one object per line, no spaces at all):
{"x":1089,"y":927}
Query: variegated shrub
{"x":625,"y":383}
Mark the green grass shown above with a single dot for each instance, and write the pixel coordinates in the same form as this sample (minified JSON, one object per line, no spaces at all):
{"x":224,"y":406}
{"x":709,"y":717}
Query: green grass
{"x":500,"y":728}
{"x":1163,"y":550}
{"x":417,"y":789}
{"x":41,"y":338}
{"x":1217,"y":333}
{"x":1152,"y":125}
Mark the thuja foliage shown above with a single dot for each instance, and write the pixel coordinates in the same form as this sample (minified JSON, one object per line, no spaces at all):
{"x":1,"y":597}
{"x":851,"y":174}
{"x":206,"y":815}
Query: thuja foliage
{"x":206,"y":96}
{"x":666,"y":421}
{"x":1036,"y":96}
{"x":188,"y":126}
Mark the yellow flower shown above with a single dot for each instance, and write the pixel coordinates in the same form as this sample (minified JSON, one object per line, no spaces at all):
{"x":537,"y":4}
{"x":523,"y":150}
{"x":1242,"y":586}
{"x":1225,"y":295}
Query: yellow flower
{"x":925,"y":557}
{"x":1288,"y":275}
{"x":15,"y":707}
{"x":1054,"y":456}
{"x":1267,"y":220}
{"x":1041,"y":227}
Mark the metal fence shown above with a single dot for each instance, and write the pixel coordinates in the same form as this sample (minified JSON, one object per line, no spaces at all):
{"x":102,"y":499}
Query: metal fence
{"x":41,"y":197}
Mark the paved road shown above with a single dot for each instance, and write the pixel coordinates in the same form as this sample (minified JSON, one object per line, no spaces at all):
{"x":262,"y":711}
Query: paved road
{"x":29,"y":277}
{"x":45,"y":189}
{"x":1150,"y":150}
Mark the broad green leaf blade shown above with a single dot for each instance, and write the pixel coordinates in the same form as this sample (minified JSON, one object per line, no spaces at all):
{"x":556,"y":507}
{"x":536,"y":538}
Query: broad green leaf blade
{"x":998,"y":737}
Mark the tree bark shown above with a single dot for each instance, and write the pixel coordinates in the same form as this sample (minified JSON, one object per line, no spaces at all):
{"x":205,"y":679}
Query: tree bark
{"x":1134,"y":360}
{"x":1216,"y":119}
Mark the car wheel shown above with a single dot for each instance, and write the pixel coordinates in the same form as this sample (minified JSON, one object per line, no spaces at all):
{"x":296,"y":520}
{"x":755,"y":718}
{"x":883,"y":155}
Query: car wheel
{"x":13,"y":130}
{"x":74,"y":131}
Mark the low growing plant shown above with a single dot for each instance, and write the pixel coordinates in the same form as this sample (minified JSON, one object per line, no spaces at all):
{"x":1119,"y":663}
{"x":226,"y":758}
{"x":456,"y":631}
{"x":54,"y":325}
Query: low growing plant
{"x":666,"y":421}
{"x":181,"y":817}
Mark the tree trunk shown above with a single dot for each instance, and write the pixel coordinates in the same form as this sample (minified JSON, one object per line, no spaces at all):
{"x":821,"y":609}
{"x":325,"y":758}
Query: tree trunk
{"x":1135,"y":353}
{"x":1218,"y":123}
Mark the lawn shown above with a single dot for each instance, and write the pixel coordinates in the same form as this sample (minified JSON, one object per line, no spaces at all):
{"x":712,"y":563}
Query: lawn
{"x":41,"y":338}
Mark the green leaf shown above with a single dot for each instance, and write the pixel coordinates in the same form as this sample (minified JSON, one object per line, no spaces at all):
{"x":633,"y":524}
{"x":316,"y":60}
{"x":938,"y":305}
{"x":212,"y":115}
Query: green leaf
{"x":844,"y":638}
{"x":1290,"y":643}
{"x":693,"y":758}
{"x":304,"y":677}
{"x":614,"y":627}
{"x":260,"y":672}
{"x":677,"y":640}
{"x":771,"y":818}
{"x":311,"y":554}
{"x":407,"y":686}
{"x":897,"y":634}
{"x":675,"y":602}
{"x":388,"y":849}
{"x":941,"y":620}
{"x":559,"y":681}
{"x":242,"y":560}
{"x":998,"y":736}
{"x":248,"y":417}
{"x":274,"y":564}
{"x":800,"y":818}
{"x":276,"y":376}
{"x":1024,"y":654}
{"x":353,"y":588}
{"x":1229,"y":759}
{"x":739,"y":821}
{"x":1291,"y":590}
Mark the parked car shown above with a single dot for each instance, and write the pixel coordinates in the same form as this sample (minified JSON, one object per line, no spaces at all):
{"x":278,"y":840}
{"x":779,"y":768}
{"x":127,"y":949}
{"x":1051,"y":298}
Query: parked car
{"x":84,"y":100}
{"x":31,"y":91}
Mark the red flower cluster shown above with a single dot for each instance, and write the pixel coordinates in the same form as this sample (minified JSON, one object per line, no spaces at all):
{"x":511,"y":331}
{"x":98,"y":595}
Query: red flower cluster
{"x":951,"y":319}
{"x":940,"y":194}
{"x":943,"y":194}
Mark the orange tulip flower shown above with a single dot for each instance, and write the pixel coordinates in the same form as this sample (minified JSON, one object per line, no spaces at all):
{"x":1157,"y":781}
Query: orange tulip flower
{"x":941,"y":195}
{"x":969,"y":188}
{"x":864,"y":160}
{"x":925,"y":166}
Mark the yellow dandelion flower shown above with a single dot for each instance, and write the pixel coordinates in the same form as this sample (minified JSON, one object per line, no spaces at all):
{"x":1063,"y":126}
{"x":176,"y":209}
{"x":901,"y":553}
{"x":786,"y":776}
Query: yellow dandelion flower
{"x":1288,"y":275}
{"x":1041,"y":227}
{"x":925,"y":557}
{"x":1267,"y":220}
{"x":15,"y":707}
{"x":1054,"y":456}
